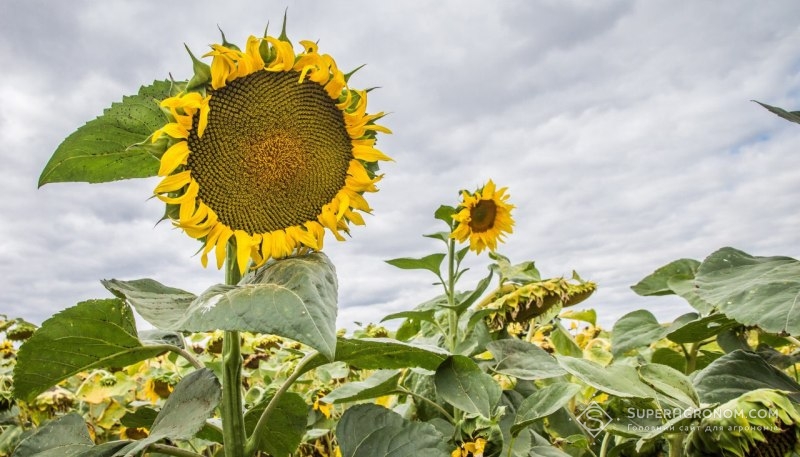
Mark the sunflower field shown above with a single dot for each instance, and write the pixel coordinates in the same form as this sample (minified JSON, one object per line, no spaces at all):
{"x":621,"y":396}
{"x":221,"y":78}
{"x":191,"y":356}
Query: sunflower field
{"x":267,"y":149}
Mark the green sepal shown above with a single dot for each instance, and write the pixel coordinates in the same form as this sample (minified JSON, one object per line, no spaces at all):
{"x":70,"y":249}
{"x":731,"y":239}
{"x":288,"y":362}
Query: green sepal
{"x":283,"y":36}
{"x":225,"y":41}
{"x":202,"y":73}
{"x":352,"y":72}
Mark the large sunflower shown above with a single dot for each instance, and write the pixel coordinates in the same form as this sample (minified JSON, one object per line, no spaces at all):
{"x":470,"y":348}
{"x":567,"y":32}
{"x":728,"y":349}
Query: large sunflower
{"x":483,"y":217}
{"x":266,"y":150}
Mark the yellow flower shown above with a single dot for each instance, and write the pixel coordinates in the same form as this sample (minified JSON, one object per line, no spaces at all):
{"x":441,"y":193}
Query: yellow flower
{"x":157,"y":388}
{"x":324,"y":408}
{"x":470,"y":449}
{"x":483,"y":217}
{"x":271,"y":151}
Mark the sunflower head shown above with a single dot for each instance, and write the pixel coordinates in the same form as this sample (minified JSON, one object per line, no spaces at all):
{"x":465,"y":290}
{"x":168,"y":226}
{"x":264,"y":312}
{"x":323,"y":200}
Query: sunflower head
{"x":521,"y":303}
{"x":483,"y":217}
{"x":267,"y":148}
{"x":760,"y":422}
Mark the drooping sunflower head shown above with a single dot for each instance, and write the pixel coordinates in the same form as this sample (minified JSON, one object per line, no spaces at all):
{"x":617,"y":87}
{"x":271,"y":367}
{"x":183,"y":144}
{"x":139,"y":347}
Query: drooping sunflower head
{"x":758,"y":423}
{"x":483,"y":217}
{"x":267,"y":149}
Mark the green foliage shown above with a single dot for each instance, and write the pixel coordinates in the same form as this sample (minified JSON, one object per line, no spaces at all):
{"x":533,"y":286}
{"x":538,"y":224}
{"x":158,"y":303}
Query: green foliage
{"x":543,"y":403}
{"x":371,"y":431}
{"x":739,"y":372}
{"x":752,"y":290}
{"x":464,"y":385}
{"x":66,"y":436}
{"x":115,"y":145}
{"x":634,"y":330}
{"x":92,"y":334}
{"x":287,"y":423}
{"x":185,"y":411}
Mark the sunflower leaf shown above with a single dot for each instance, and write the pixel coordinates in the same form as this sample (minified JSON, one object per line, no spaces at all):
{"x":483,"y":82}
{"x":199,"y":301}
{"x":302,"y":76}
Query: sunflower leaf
{"x":160,"y":305}
{"x":431,"y":262}
{"x":65,"y":436}
{"x":382,"y":382}
{"x":739,"y":372}
{"x":371,"y":430}
{"x":92,"y":334}
{"x":793,"y":116}
{"x":112,"y":146}
{"x":762,"y":291}
{"x":464,"y":385}
{"x":543,"y":403}
{"x":287,"y":424}
{"x":185,"y":411}
{"x":294,"y":298}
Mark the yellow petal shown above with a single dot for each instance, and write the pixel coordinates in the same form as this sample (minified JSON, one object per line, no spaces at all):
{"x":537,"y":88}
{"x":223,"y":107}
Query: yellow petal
{"x":243,"y":244}
{"x":173,"y":129}
{"x":173,"y":182}
{"x":221,"y":247}
{"x":369,"y":154}
{"x":309,"y":47}
{"x":204,"y":110}
{"x":253,"y":53}
{"x":176,"y":155}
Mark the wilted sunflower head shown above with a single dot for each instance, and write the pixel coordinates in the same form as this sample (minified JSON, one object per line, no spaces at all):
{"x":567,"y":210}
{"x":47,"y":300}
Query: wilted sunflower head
{"x":761,"y":422}
{"x":267,"y":148}
{"x":483,"y":217}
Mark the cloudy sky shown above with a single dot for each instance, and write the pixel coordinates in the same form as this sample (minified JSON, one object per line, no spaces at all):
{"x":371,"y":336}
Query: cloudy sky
{"x":623,"y":130}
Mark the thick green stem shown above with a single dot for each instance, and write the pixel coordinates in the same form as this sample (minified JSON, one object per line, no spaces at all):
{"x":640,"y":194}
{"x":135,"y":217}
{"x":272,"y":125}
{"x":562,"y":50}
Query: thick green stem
{"x":233,"y":431}
{"x":452,"y":337}
{"x":252,"y":442}
{"x":185,"y":354}
{"x":604,"y":446}
{"x":691,"y":359}
{"x":676,"y":445}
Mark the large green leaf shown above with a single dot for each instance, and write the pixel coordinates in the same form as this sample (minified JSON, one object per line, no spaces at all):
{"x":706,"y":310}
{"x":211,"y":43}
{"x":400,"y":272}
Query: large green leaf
{"x":92,"y":334}
{"x":382,"y":382}
{"x":106,"y":148}
{"x":762,"y":291}
{"x":634,"y":330}
{"x":620,"y":380}
{"x":386,"y":353}
{"x":460,"y":382}
{"x":160,"y":305}
{"x":66,"y":436}
{"x":294,"y":298}
{"x":543,"y":403}
{"x":657,"y":282}
{"x":373,"y":431}
{"x":523,"y":360}
{"x":739,"y":372}
{"x":670,"y":382}
{"x":792,"y":116}
{"x":287,"y":424}
{"x":700,"y":329}
{"x":185,"y":411}
{"x":431,"y":263}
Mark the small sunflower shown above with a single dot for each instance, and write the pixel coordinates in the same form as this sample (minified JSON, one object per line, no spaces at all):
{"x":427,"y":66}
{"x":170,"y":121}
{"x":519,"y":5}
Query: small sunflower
{"x":267,"y":149}
{"x":484,"y":217}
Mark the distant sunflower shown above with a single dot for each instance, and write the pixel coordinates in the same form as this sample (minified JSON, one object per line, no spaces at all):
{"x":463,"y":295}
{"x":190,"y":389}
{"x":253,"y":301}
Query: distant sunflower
{"x":267,"y":150}
{"x":484,"y":217}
